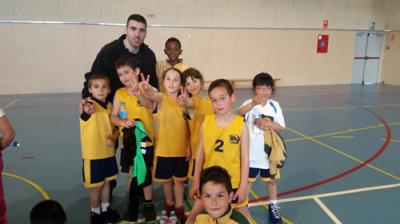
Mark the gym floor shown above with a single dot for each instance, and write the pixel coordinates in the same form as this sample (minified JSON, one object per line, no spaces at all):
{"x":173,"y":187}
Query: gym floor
{"x":343,"y":156}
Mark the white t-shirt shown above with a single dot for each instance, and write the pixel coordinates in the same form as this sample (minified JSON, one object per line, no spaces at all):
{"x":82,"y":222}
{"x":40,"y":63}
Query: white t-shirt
{"x":2,"y":113}
{"x":258,"y":157}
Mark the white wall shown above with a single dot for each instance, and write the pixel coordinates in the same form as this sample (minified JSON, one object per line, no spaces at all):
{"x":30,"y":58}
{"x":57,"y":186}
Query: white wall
{"x":342,"y":14}
{"x":38,"y":58}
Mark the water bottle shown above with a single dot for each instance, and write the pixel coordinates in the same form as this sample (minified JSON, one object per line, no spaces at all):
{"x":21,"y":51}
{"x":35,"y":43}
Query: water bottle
{"x":256,"y":130}
{"x":173,"y":219}
{"x":123,"y":113}
{"x":15,"y":144}
{"x":164,"y":218}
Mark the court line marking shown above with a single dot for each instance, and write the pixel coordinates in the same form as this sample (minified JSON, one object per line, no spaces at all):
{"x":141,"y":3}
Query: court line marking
{"x":347,"y":155}
{"x":347,"y":172}
{"x":342,"y":136}
{"x":33,"y":184}
{"x":391,"y":140}
{"x":253,"y":193}
{"x":341,"y":132}
{"x":330,"y":194}
{"x":342,"y":107}
{"x":330,"y":214}
{"x":10,"y":104}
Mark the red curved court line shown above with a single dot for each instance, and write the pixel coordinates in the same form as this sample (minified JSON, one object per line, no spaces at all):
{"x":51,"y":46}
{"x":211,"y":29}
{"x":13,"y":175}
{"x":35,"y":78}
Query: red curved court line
{"x":316,"y":184}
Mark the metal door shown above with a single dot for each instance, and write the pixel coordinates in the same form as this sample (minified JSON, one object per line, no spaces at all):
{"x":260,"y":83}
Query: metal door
{"x":367,"y":57}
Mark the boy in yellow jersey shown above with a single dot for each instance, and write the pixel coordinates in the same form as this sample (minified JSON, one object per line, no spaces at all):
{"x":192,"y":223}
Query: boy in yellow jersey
{"x":172,"y":145}
{"x":131,"y":99}
{"x":224,"y":142}
{"x":97,"y":141}
{"x":173,"y":50}
{"x":216,"y":196}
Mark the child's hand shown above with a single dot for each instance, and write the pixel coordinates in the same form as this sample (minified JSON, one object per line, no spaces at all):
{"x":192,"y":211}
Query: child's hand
{"x":183,"y":97}
{"x":129,"y":123}
{"x":241,"y":195}
{"x":256,"y":100}
{"x":194,"y":190}
{"x":144,"y":84}
{"x":110,"y":141}
{"x":188,"y":153}
{"x":87,"y":106}
{"x":262,"y":123}
{"x":135,"y":90}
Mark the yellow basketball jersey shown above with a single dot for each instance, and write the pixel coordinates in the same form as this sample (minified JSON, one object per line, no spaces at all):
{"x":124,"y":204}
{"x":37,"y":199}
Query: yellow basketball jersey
{"x":222,"y":146}
{"x":94,"y":133}
{"x":136,"y":110}
{"x":172,"y":129}
{"x":202,"y":107}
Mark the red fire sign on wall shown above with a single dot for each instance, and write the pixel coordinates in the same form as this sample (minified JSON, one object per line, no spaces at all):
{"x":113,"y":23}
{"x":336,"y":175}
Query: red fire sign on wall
{"x":322,"y":43}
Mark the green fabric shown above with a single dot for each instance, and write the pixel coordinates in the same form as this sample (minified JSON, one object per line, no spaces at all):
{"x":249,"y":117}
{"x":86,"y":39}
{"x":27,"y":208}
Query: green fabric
{"x":139,"y":165}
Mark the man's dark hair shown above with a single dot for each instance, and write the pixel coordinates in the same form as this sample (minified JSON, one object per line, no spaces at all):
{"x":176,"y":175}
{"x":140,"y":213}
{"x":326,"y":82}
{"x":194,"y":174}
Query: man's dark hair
{"x":221,"y":83}
{"x":97,"y":77}
{"x":216,"y":175}
{"x":126,"y":61}
{"x":263,"y":79}
{"x":48,"y":212}
{"x":137,"y":18}
{"x":173,"y":39}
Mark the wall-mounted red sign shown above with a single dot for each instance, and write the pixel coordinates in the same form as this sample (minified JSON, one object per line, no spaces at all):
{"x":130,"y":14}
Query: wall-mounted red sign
{"x":322,"y":43}
{"x":325,"y":24}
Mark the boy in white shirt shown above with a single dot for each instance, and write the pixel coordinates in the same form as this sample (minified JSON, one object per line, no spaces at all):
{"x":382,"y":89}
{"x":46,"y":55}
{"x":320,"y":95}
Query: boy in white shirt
{"x":255,"y":110}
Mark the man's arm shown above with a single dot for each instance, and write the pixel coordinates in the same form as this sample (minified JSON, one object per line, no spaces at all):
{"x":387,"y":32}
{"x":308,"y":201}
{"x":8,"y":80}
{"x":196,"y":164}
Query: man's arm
{"x":8,"y":132}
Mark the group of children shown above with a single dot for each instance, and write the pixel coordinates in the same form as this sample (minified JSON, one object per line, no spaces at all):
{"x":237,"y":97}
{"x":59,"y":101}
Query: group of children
{"x":177,"y":133}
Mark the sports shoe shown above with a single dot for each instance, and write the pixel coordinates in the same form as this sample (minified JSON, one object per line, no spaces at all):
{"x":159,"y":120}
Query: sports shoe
{"x":129,"y":217}
{"x":96,"y":218}
{"x":110,"y":216}
{"x":168,"y":208}
{"x":180,"y":212}
{"x":274,"y":215}
{"x":149,"y":213}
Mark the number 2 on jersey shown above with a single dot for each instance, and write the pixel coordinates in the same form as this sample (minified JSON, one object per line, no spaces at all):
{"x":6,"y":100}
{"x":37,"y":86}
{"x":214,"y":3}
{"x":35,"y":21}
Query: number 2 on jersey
{"x":218,"y":145}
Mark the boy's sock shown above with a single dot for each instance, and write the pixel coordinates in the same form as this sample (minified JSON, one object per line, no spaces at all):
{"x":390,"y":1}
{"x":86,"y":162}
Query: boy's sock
{"x":104,"y":206}
{"x":273,"y":202}
{"x":95,"y":210}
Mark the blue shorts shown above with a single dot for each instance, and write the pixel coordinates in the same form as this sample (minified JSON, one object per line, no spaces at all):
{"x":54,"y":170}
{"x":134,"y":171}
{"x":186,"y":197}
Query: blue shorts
{"x":170,"y":167}
{"x":95,"y":172}
{"x":264,"y":174}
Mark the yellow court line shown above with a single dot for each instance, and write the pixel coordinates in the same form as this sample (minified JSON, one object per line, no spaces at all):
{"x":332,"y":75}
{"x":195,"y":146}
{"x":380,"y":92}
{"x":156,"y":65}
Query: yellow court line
{"x":33,"y":184}
{"x":340,"y":132}
{"x":345,"y":154}
{"x":342,"y":136}
{"x":266,"y":207}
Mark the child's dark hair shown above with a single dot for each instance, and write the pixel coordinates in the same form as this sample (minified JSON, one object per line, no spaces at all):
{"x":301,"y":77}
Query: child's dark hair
{"x":48,"y":212}
{"x":216,"y":175}
{"x":126,"y":61}
{"x":97,"y":77}
{"x":173,"y":39}
{"x":263,"y":79}
{"x":137,"y":18}
{"x":221,"y":83}
{"x":194,"y":74}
